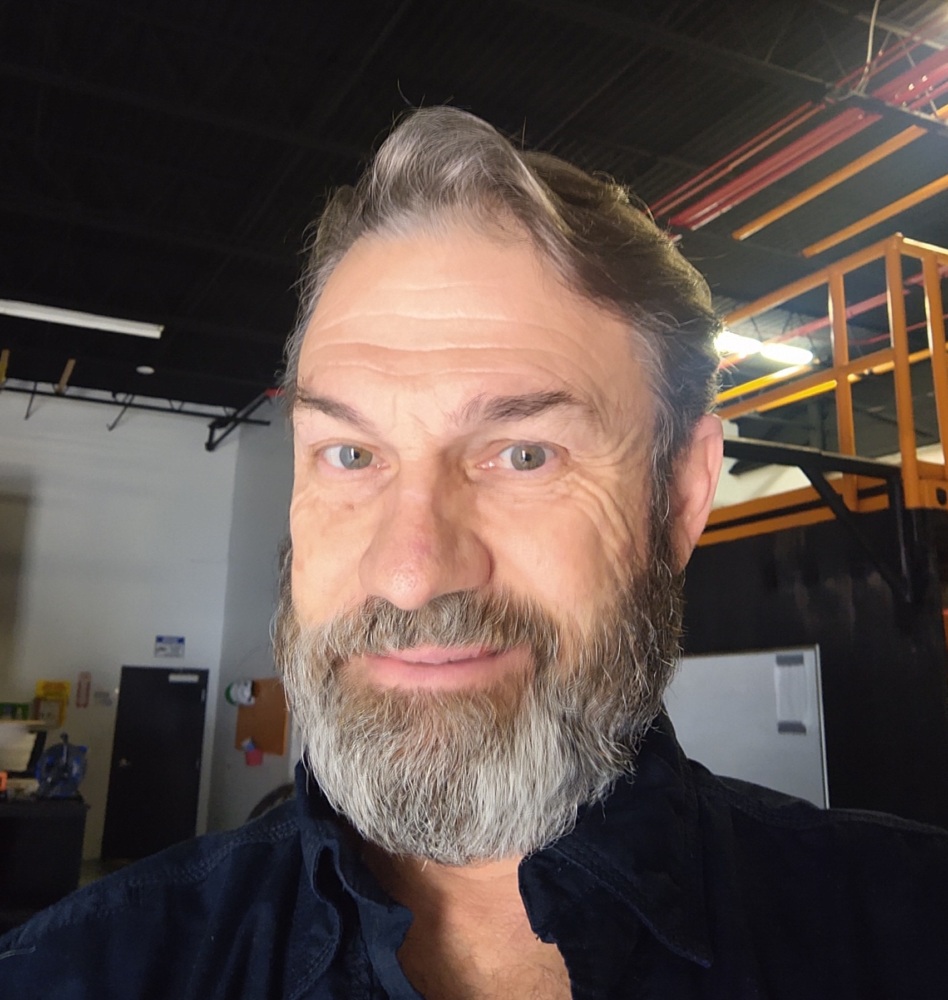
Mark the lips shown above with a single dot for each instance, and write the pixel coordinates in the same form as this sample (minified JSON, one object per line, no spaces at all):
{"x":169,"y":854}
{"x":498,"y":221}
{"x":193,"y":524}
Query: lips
{"x":444,"y":668}
{"x":438,"y":656}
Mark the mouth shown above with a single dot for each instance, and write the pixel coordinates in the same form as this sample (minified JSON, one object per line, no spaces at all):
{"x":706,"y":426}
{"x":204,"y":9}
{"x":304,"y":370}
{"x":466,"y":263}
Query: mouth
{"x":440,"y":667}
{"x":440,"y":655}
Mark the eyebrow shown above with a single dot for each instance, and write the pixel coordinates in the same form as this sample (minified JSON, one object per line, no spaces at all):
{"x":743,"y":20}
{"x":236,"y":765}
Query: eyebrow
{"x":332,"y":408}
{"x":497,"y":409}
{"x":483,"y":408}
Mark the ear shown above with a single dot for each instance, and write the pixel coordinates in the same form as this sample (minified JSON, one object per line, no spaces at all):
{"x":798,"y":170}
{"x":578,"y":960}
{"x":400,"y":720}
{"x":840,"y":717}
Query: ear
{"x":695,"y":479}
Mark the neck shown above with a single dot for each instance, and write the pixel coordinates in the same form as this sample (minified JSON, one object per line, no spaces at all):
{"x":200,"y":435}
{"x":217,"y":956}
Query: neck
{"x":437,"y":891}
{"x":470,"y":935}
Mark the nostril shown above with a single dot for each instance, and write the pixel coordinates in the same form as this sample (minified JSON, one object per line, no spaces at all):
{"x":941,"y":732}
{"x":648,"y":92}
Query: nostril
{"x":410,"y":561}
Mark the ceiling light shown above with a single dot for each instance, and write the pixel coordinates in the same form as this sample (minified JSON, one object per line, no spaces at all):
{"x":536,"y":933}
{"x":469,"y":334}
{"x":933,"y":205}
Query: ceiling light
{"x":728,"y":342}
{"x":786,"y":354}
{"x":145,"y":370}
{"x":71,"y":317}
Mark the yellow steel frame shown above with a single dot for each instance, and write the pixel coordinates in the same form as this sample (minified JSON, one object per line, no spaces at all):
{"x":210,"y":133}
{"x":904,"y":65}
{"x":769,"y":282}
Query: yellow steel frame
{"x":925,"y":484}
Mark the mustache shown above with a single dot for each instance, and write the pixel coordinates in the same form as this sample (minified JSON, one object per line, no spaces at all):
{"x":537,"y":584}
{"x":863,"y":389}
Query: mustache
{"x":463,"y":618}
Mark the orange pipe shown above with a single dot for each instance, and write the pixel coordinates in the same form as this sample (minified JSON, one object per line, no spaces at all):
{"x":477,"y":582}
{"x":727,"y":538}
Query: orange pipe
{"x":759,"y":383}
{"x":902,"y":374}
{"x":714,"y":534}
{"x":846,"y":428}
{"x":935,"y":316}
{"x":874,"y":218}
{"x":916,"y":248}
{"x":823,"y":379}
{"x":798,"y":397}
{"x":807,"y":284}
{"x":887,"y":148}
{"x":894,"y":144}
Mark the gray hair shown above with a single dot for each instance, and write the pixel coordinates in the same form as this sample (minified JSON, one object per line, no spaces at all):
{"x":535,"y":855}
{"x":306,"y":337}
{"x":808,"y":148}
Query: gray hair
{"x":441,"y":165}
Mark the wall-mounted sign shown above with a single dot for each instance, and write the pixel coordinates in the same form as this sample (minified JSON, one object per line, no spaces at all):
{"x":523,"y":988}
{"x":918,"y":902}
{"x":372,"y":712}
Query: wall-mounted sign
{"x":83,"y":689}
{"x":52,"y":697}
{"x":169,"y":646}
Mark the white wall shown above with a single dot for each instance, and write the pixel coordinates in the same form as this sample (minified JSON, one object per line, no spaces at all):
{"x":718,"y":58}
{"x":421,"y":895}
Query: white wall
{"x":764,"y":482}
{"x":120,"y":536}
{"x":263,"y":480}
{"x":772,"y":479}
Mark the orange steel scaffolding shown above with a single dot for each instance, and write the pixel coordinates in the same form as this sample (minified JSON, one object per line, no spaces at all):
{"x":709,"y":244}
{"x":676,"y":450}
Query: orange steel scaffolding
{"x":924,"y":484}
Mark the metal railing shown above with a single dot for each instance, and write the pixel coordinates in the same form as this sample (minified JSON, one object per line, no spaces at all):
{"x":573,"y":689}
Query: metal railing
{"x":803,"y":382}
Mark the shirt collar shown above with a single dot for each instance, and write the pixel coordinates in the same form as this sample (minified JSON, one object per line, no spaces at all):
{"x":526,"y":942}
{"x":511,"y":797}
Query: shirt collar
{"x":641,"y":843}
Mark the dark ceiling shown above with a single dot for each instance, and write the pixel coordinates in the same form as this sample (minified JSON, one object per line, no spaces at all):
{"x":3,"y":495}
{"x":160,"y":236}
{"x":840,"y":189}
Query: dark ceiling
{"x":161,"y":161}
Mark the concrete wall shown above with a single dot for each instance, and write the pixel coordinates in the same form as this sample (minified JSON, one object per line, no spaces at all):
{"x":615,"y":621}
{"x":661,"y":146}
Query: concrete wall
{"x":107,"y":540}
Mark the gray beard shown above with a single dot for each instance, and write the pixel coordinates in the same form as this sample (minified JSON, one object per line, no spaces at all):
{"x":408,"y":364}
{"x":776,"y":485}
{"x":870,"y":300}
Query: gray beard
{"x":459,"y":777}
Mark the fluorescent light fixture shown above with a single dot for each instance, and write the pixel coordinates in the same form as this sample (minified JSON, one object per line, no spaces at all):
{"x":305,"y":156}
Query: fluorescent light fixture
{"x":786,"y":354}
{"x":728,"y":342}
{"x":71,"y":317}
{"x":145,"y":370}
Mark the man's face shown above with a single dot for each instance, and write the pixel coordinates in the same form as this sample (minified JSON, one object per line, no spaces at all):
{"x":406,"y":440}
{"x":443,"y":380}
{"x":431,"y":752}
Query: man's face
{"x":483,"y":608}
{"x":466,"y":423}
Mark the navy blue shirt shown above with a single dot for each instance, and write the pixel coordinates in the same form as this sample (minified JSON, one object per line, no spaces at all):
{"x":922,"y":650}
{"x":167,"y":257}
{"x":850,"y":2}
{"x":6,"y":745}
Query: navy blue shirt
{"x":680,"y":885}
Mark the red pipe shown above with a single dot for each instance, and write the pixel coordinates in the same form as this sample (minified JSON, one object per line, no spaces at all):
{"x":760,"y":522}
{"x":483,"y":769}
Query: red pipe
{"x":932,"y":95}
{"x":808,"y":147}
{"x":767,"y":136}
{"x":930,"y":73}
{"x":904,"y":88}
{"x":733,"y":159}
{"x":800,"y":152}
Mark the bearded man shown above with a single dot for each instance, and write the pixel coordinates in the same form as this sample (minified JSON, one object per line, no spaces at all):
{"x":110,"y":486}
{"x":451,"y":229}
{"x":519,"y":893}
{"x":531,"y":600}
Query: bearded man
{"x":500,"y":389}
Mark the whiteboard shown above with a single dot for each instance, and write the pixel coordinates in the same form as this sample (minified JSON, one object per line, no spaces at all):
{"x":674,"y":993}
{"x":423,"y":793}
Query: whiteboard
{"x":754,"y":715}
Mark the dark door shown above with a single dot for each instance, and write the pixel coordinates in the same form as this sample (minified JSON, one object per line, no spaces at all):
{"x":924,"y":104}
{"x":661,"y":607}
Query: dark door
{"x":156,"y":761}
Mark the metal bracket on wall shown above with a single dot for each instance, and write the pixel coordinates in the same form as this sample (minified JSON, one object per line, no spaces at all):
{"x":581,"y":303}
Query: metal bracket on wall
{"x":814,"y":464}
{"x":125,"y":404}
{"x":219,"y":428}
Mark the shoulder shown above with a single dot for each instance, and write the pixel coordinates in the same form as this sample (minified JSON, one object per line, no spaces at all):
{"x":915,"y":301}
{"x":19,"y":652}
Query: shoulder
{"x":755,"y":809}
{"x":839,"y":883}
{"x":187,"y":868}
{"x":173,"y":918}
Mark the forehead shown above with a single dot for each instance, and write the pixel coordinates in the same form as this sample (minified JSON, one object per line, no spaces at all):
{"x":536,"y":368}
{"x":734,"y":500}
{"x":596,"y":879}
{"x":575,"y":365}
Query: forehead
{"x":456,"y":303}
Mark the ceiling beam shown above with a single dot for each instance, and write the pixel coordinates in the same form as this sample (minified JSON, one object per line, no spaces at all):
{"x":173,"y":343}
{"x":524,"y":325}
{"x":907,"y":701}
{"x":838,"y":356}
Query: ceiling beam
{"x":178,"y":109}
{"x":66,"y":213}
{"x":857,"y":12}
{"x":899,"y":115}
{"x":176,"y":325}
{"x":647,"y":32}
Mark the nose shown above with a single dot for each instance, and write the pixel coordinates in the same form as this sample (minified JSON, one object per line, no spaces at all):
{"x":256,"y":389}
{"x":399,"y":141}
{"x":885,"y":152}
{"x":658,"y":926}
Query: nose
{"x":425,"y":544}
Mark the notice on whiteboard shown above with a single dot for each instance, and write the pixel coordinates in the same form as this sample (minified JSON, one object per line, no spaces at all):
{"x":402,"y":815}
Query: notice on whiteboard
{"x":169,"y":647}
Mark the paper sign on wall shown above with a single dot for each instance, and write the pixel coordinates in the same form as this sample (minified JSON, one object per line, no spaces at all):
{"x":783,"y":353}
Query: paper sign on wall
{"x":83,"y":689}
{"x":169,"y":646}
{"x":50,"y":703}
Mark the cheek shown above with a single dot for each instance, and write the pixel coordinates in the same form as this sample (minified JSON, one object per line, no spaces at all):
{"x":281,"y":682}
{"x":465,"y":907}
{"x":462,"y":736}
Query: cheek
{"x":570,"y":553}
{"x":324,"y":568}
